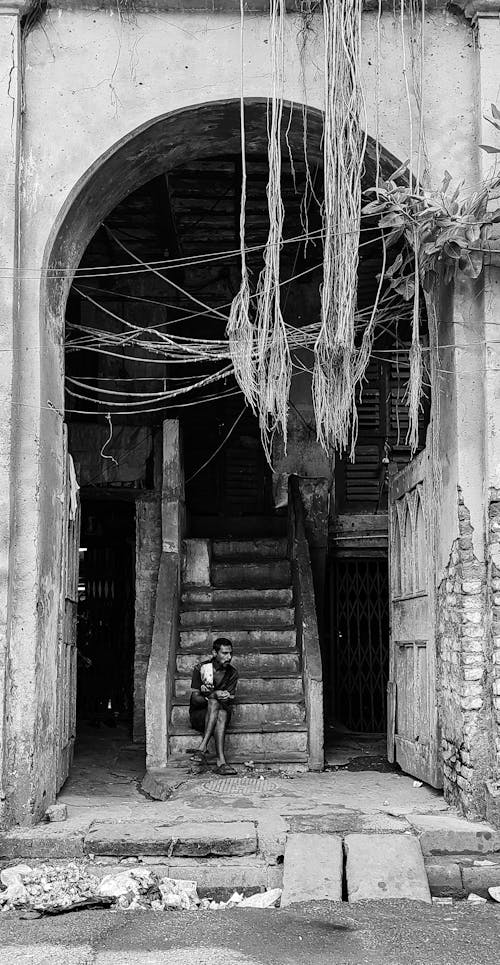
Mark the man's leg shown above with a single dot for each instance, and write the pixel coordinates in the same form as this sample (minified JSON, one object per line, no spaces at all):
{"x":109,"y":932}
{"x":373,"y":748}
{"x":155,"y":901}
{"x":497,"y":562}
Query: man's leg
{"x":210,"y":723}
{"x":220,"y":734}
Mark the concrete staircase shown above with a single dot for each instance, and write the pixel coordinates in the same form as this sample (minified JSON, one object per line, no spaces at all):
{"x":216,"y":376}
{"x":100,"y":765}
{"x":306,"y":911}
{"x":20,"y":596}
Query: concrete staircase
{"x":249,"y":600}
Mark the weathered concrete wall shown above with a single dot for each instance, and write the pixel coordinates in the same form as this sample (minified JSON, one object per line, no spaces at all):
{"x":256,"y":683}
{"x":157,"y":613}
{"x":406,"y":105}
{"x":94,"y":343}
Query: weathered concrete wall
{"x":147,"y":562}
{"x":92,"y":79}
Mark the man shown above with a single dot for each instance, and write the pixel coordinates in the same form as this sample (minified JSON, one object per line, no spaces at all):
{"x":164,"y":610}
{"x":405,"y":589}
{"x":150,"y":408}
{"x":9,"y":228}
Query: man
{"x":213,"y":687}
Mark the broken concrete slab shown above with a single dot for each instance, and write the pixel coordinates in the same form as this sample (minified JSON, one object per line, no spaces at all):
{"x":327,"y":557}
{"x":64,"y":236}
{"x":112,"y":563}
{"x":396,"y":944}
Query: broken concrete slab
{"x":160,"y":783}
{"x":182,"y":840}
{"x":345,"y":821}
{"x":51,"y":841}
{"x":450,"y":834}
{"x":312,"y":868}
{"x":385,"y":866}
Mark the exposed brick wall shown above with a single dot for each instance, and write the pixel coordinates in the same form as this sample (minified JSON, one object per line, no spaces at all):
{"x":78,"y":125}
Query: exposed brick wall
{"x":494,"y":556}
{"x":464,"y":673}
{"x":148,"y":551}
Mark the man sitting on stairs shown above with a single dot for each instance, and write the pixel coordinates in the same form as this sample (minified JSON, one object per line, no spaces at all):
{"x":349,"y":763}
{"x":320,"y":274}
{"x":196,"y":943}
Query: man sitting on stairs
{"x":213,"y":688}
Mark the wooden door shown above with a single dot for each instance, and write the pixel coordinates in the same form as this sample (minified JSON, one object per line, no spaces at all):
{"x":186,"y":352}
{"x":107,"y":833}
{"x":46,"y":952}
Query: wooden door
{"x":67,"y":655}
{"x":413,"y":736}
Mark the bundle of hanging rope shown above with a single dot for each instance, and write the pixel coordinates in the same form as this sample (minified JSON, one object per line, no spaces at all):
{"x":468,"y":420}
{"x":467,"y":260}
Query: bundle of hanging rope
{"x":259,"y":344}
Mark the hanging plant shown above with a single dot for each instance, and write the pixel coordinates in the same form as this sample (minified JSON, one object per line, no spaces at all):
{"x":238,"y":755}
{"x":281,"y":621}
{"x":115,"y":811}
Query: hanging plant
{"x":449,"y":226}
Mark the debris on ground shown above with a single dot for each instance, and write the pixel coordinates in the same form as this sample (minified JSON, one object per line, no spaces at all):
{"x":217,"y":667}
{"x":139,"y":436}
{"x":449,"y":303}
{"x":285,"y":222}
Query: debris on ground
{"x":56,"y":812}
{"x":52,"y":890}
{"x":476,"y":899}
{"x":47,"y":889}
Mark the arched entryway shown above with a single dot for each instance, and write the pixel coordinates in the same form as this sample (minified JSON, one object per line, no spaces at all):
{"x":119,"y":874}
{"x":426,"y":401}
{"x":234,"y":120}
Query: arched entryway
{"x":168,"y":197}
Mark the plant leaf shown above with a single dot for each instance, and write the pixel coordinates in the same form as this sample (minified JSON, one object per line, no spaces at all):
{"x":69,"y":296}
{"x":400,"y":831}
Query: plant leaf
{"x":490,"y":149}
{"x":495,"y":111}
{"x":396,"y":265}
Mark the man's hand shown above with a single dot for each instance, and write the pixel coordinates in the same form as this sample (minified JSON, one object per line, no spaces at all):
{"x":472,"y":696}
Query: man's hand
{"x":222,"y":694}
{"x":206,"y":688}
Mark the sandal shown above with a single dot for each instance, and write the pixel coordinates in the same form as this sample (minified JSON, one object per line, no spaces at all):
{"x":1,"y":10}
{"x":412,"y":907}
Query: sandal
{"x":225,"y":769}
{"x":199,"y":756}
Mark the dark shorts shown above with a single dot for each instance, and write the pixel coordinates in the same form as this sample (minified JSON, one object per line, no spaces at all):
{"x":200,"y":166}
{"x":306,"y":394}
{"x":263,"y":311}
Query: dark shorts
{"x":197,"y":717}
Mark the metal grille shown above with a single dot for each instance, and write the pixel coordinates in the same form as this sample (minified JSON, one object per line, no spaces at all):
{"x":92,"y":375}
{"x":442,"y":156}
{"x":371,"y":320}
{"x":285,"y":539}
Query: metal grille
{"x":359,"y":643}
{"x":239,"y":786}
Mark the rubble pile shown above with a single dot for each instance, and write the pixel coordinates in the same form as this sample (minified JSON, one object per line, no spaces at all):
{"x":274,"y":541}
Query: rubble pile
{"x":51,"y":890}
{"x":47,"y":888}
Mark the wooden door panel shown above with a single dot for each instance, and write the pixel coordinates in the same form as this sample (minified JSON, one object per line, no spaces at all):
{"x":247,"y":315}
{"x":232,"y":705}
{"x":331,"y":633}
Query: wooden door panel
{"x":67,"y":656}
{"x":413,"y":733}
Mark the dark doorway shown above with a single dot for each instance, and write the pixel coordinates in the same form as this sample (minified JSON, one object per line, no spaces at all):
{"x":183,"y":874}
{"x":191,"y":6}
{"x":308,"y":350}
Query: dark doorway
{"x":228,"y":482}
{"x":357,"y":643}
{"x":106,"y":604}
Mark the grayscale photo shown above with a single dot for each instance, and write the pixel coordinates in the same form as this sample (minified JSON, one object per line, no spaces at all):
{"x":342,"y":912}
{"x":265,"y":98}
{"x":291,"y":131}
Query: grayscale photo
{"x":250,"y":482}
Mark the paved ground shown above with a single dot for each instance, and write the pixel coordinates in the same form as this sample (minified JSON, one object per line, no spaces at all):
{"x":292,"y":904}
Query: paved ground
{"x":388,"y":933}
{"x":104,"y":785}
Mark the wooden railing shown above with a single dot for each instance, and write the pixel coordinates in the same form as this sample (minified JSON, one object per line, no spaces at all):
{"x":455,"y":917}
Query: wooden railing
{"x":161,"y":667}
{"x":306,"y":625}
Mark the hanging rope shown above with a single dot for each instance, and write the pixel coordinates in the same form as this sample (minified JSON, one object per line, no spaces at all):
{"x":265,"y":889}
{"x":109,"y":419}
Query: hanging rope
{"x":273,"y":360}
{"x":334,"y":369}
{"x":239,"y":328}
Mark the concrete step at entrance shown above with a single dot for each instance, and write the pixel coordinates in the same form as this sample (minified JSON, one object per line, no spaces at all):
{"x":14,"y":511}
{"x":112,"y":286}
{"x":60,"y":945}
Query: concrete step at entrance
{"x":251,"y":549}
{"x":232,"y":597}
{"x":202,"y":840}
{"x":264,"y":575}
{"x":249,"y":617}
{"x":313,"y":868}
{"x":251,"y":714}
{"x":385,"y":866}
{"x":288,"y":745}
{"x":256,"y":688}
{"x":284,"y":662}
{"x":257,"y":638}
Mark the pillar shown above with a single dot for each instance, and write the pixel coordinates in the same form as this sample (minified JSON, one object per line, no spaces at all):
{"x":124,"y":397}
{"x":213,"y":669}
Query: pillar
{"x":10,"y":149}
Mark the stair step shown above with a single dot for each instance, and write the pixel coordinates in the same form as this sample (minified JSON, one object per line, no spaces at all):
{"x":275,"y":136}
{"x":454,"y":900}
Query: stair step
{"x":265,"y":575}
{"x":252,"y":714}
{"x":181,"y":840}
{"x":230,"y":597}
{"x":285,"y":661}
{"x":258,"y":757}
{"x":253,"y":688}
{"x":228,"y":549}
{"x":200,"y":641}
{"x":241,"y":617}
{"x":267,"y":727}
{"x":245,"y":745}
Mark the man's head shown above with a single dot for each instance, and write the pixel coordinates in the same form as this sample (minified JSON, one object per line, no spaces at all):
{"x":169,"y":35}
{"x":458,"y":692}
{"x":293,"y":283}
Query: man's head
{"x":223,"y":651}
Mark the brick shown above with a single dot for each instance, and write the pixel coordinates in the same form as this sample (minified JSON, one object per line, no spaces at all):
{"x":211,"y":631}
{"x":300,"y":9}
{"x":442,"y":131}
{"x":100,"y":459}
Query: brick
{"x":471,"y":586}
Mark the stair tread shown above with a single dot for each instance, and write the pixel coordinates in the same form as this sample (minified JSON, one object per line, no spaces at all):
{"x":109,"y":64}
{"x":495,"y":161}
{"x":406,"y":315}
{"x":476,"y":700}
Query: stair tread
{"x":255,"y":675}
{"x":271,"y":727}
{"x":204,"y":606}
{"x":257,"y":699}
{"x":297,"y":757}
{"x":257,"y":648}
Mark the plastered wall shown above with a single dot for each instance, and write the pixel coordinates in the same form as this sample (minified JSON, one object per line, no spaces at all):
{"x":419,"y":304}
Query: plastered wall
{"x":91,"y":79}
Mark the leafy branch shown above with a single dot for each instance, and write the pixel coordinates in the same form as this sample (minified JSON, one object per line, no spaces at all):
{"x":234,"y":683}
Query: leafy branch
{"x":443,"y":227}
